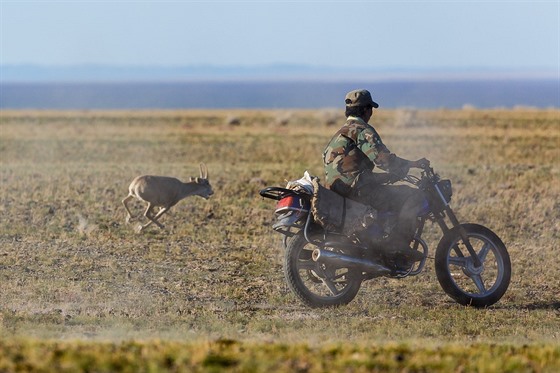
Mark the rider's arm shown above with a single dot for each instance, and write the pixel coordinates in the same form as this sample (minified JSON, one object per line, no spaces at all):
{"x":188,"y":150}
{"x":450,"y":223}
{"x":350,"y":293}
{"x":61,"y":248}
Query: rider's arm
{"x":397,"y":166}
{"x":391,"y":163}
{"x":371,"y":145}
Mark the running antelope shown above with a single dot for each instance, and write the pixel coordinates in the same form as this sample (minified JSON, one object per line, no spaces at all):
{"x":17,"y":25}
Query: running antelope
{"x":165,"y":192}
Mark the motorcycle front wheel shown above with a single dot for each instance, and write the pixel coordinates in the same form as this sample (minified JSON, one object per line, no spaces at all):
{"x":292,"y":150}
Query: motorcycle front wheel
{"x":315,"y":284}
{"x":459,"y":276}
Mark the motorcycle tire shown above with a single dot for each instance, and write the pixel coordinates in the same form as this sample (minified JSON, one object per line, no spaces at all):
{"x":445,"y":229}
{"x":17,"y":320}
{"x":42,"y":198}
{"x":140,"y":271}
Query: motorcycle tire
{"x":457,"y":273}
{"x":317,"y":285}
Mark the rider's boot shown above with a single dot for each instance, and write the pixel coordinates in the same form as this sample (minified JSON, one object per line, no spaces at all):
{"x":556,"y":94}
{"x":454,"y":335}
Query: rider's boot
{"x":400,"y":246}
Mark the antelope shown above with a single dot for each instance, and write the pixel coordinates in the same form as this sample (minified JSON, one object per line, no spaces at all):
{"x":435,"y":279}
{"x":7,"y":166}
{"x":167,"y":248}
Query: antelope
{"x":165,"y":192}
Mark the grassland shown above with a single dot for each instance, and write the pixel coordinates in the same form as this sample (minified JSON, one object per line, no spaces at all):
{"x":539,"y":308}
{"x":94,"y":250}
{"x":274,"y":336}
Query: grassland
{"x":81,"y":291}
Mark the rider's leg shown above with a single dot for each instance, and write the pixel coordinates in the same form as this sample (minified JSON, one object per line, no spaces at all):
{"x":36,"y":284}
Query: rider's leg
{"x":405,"y":201}
{"x":413,"y":201}
{"x":406,"y":225}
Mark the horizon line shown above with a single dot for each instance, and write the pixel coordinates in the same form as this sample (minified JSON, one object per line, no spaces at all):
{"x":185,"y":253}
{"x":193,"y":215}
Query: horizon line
{"x":153,"y":74}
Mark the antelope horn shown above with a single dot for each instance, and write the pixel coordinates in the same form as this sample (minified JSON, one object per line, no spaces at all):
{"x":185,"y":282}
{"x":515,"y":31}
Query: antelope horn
{"x":203,"y":171}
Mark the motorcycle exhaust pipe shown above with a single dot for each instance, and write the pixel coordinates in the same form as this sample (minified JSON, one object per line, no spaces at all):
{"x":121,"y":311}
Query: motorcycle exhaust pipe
{"x":342,"y":260}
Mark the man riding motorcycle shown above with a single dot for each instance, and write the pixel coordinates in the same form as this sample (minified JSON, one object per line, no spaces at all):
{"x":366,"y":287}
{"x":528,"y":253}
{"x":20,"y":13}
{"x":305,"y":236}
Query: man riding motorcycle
{"x":349,"y":160}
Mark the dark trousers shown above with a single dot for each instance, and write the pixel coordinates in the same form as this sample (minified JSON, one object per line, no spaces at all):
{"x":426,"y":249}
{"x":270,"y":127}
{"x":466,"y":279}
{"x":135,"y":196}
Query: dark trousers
{"x":404,"y":200}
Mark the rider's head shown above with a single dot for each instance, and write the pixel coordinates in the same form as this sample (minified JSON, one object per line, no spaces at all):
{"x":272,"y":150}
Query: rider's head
{"x":360,"y":104}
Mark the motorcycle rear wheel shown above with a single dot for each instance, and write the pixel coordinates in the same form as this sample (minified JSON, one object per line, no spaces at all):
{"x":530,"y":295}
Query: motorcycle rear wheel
{"x":461,"y":279}
{"x":317,"y":285}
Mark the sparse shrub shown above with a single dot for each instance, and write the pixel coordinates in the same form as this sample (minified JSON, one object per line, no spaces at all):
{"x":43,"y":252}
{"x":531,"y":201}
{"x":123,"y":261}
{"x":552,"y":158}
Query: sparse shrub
{"x":283,"y":119}
{"x":233,"y":121}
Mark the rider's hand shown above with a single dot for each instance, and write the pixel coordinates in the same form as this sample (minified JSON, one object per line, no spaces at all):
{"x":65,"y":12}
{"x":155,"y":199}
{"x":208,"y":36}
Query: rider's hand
{"x":421,"y":163}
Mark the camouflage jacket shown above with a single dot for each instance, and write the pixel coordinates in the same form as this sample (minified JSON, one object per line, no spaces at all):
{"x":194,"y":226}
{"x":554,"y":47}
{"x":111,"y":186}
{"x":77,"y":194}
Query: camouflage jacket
{"x":352,"y":150}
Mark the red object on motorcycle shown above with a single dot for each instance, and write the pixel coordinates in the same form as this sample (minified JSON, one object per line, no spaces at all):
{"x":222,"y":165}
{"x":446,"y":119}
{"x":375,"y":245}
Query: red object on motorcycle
{"x":292,"y":203}
{"x":290,"y":212}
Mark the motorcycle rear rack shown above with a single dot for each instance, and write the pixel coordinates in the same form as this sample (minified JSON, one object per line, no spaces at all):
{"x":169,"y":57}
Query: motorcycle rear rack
{"x":277,"y":193}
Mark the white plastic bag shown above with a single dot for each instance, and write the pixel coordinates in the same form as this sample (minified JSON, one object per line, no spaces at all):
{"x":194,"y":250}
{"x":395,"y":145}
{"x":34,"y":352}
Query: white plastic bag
{"x":305,"y":184}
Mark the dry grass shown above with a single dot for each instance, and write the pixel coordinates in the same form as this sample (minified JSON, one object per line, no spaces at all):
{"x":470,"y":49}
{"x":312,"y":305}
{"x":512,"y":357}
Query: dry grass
{"x":71,"y":268}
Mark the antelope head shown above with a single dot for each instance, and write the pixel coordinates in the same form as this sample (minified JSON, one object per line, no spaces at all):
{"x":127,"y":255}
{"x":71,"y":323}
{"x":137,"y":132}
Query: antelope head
{"x":205,"y":189}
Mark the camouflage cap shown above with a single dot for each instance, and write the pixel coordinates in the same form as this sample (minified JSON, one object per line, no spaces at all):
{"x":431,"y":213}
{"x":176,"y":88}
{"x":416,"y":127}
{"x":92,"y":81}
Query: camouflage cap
{"x":360,"y":97}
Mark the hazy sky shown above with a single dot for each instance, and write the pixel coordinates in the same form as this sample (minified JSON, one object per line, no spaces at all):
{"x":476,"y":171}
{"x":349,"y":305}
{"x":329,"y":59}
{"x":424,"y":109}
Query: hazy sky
{"x":378,"y":34}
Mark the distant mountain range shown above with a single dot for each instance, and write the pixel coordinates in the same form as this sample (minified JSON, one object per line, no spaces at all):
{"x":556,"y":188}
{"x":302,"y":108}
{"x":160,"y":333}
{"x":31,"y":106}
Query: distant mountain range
{"x":277,"y":72}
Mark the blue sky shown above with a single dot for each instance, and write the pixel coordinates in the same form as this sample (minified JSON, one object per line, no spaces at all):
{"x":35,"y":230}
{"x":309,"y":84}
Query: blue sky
{"x":371,"y":34}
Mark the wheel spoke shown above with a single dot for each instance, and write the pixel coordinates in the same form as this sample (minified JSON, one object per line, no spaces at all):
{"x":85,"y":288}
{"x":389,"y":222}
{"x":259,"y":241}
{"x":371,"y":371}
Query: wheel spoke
{"x":477,"y":279}
{"x":328,"y":283}
{"x":461,"y":262}
{"x":484,"y":252}
{"x":339,"y":276}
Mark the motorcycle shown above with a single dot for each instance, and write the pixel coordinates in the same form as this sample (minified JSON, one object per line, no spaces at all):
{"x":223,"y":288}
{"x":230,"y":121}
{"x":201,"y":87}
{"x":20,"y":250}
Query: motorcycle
{"x":324,"y":267}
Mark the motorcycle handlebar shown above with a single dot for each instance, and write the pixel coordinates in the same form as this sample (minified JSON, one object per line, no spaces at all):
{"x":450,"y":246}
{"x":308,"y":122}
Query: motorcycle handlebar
{"x":424,"y":166}
{"x":415,"y":180}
